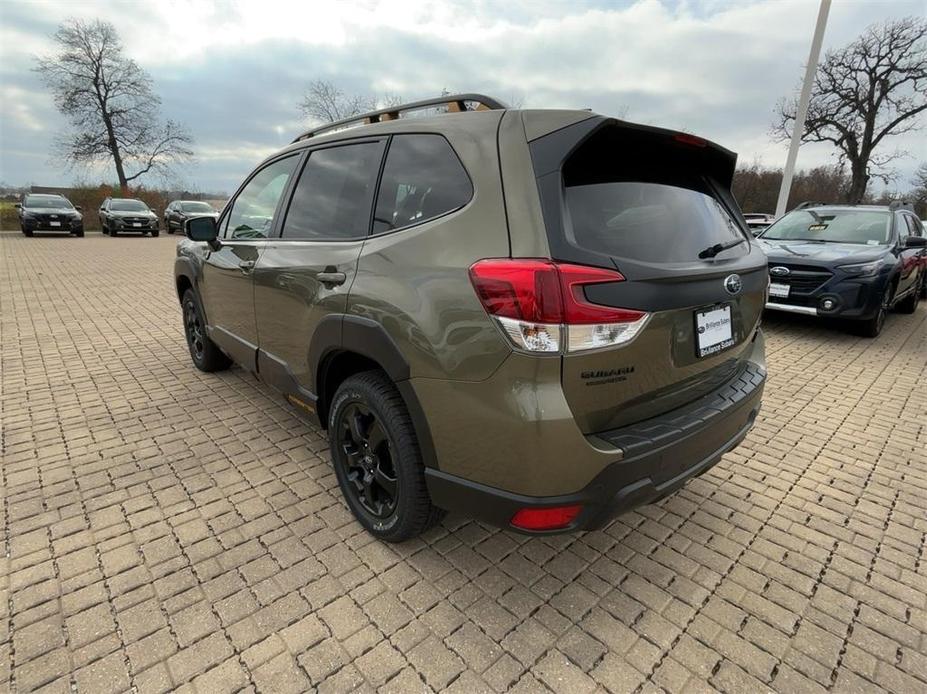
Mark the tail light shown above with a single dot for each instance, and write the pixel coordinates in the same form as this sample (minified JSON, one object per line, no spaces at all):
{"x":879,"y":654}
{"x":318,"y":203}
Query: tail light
{"x":542,"y":307}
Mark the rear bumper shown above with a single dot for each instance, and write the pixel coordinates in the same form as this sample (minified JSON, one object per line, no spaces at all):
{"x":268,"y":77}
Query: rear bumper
{"x":659,"y":456}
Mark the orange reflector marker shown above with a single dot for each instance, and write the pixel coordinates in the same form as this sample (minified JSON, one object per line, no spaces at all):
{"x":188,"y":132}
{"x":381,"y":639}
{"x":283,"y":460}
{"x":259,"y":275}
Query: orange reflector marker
{"x":551,"y":518}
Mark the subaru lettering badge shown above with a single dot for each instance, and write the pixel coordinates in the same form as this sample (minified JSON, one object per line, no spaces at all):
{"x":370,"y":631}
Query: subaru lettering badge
{"x":732,"y":284}
{"x":779,"y":271}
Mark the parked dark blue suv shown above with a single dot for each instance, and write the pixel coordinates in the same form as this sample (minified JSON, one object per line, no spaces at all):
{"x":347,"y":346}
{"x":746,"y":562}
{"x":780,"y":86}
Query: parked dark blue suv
{"x":853,"y":262}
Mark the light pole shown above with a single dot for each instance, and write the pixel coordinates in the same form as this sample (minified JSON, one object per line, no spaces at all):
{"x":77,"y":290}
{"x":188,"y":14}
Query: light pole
{"x":799,"y":126}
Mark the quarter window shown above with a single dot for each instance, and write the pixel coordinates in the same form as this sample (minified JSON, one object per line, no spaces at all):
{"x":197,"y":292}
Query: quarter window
{"x":252,"y":214}
{"x":422,"y":179}
{"x":334,"y":193}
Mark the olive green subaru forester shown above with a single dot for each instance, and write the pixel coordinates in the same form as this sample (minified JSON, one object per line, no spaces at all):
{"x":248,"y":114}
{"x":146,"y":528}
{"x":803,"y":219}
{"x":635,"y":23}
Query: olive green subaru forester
{"x":538,"y":318}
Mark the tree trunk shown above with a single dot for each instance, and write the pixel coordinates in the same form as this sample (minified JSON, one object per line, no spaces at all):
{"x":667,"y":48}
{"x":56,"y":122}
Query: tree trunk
{"x":117,"y":157}
{"x":859,"y":180}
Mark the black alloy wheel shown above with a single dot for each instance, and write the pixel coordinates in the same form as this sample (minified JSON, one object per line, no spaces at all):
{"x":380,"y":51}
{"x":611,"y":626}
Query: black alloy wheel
{"x":368,"y":462}
{"x":205,"y":354}
{"x":193,"y":328}
{"x":377,"y":459}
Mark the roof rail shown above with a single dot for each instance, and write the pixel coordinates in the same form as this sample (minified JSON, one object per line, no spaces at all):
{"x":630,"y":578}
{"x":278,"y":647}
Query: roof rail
{"x":455,"y":103}
{"x":900,"y":205}
{"x":809,"y":203}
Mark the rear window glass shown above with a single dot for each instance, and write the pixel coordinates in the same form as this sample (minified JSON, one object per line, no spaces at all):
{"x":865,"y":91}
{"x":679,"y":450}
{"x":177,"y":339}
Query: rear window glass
{"x":871,"y":227}
{"x":422,"y":179}
{"x":629,"y":201}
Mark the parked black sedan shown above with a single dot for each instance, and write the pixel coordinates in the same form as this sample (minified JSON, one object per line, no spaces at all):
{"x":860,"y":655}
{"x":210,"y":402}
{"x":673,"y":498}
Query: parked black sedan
{"x":852,"y":262}
{"x":43,"y":212}
{"x":119,"y":215}
{"x":179,"y":211}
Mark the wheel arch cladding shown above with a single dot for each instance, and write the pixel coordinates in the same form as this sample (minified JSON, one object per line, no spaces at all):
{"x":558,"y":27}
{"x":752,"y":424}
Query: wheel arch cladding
{"x":345,"y":345}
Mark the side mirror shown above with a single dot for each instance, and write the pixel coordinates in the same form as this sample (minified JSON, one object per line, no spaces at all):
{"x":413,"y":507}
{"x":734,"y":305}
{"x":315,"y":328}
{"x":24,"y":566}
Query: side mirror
{"x":18,"y":205}
{"x":78,"y":208}
{"x":915,"y":242}
{"x":202,"y":229}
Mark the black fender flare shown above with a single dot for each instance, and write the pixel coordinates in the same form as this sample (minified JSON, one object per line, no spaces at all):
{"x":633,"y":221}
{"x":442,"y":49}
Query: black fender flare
{"x":338,"y":333}
{"x":184,"y":267}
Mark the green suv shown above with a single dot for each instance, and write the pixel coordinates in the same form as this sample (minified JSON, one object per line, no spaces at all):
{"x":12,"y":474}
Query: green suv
{"x":538,"y":318}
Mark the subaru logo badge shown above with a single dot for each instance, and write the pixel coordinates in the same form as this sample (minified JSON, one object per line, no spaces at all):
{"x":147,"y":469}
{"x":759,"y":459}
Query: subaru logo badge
{"x":732,"y":284}
{"x":779,"y":271}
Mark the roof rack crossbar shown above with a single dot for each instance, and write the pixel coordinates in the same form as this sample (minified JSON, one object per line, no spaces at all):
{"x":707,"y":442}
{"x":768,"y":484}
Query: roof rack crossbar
{"x":455,"y":103}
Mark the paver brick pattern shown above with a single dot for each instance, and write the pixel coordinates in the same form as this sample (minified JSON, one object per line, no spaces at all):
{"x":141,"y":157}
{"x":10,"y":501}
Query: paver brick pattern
{"x":165,"y":529}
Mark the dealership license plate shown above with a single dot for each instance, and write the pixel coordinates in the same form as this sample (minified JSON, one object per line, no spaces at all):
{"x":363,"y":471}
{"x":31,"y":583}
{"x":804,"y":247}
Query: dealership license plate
{"x":778,"y":290}
{"x":54,"y":224}
{"x":714,"y":330}
{"x":136,"y":224}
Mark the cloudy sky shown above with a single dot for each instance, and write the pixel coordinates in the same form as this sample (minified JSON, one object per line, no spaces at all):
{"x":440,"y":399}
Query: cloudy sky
{"x":234,"y":72}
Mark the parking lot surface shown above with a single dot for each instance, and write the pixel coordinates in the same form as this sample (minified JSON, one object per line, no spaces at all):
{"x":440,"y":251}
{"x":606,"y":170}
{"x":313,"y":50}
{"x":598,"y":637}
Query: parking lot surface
{"x":167,"y":529}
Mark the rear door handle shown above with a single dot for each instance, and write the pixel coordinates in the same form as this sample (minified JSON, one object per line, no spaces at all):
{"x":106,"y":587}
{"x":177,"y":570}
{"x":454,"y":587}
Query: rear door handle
{"x":246,"y":266}
{"x":332,"y":278}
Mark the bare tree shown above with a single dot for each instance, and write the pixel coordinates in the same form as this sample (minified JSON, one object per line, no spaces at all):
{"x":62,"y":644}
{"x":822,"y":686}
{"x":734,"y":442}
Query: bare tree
{"x":326,"y":102}
{"x":870,"y":90}
{"x":919,"y":191}
{"x":110,"y":103}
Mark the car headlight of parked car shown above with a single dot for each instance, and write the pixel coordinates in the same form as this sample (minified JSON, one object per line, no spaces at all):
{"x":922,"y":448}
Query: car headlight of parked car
{"x":863,"y":269}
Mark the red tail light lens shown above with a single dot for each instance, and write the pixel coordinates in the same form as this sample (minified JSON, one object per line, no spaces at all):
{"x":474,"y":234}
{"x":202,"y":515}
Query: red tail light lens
{"x":526,"y":290}
{"x":535,"y":301}
{"x":552,"y":518}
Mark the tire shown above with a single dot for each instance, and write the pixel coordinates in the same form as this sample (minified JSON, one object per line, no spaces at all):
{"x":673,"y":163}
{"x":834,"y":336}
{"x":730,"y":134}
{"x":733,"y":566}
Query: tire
{"x":873,"y":326}
{"x":377,"y":459}
{"x":155,"y":233}
{"x":203,"y":351}
{"x":78,"y":234}
{"x":113,"y":233}
{"x":167,"y":227}
{"x":909,"y":303}
{"x":27,"y":233}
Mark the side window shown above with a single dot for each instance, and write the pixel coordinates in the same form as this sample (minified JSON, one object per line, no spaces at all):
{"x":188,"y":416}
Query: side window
{"x":422,"y":179}
{"x":914,"y":225}
{"x":334,"y":193}
{"x":252,"y":213}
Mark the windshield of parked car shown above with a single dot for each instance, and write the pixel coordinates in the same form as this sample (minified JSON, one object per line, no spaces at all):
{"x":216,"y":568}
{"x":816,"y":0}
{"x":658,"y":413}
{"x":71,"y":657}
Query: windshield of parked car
{"x":197,"y":207}
{"x":47,"y":202}
{"x":128,"y":206}
{"x":870,"y":227}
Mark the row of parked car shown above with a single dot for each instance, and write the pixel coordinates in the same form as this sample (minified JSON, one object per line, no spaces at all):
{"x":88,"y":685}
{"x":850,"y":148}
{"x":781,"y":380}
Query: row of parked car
{"x":49,"y":212}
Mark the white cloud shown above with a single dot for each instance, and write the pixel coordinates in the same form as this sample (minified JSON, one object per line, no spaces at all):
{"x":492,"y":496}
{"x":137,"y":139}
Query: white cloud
{"x":234,"y":71}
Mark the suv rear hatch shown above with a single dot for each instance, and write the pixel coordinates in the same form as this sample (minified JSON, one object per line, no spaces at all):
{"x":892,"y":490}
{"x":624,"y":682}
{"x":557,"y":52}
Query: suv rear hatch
{"x":654,"y":208}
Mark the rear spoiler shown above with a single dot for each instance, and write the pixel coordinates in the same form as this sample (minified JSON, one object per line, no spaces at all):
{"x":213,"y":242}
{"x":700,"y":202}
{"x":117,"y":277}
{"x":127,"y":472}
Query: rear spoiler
{"x":549,"y":151}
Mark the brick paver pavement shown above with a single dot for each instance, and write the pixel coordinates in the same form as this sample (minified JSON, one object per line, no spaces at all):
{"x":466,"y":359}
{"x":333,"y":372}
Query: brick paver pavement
{"x":166,"y":529}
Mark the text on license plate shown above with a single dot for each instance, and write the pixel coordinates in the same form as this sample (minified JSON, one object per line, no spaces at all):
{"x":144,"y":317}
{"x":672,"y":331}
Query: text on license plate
{"x":779,"y":290}
{"x":136,"y":224}
{"x":54,"y":224}
{"x":714,"y":331}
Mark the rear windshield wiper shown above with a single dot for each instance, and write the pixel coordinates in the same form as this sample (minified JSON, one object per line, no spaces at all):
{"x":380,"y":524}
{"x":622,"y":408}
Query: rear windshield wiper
{"x":712,"y":251}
